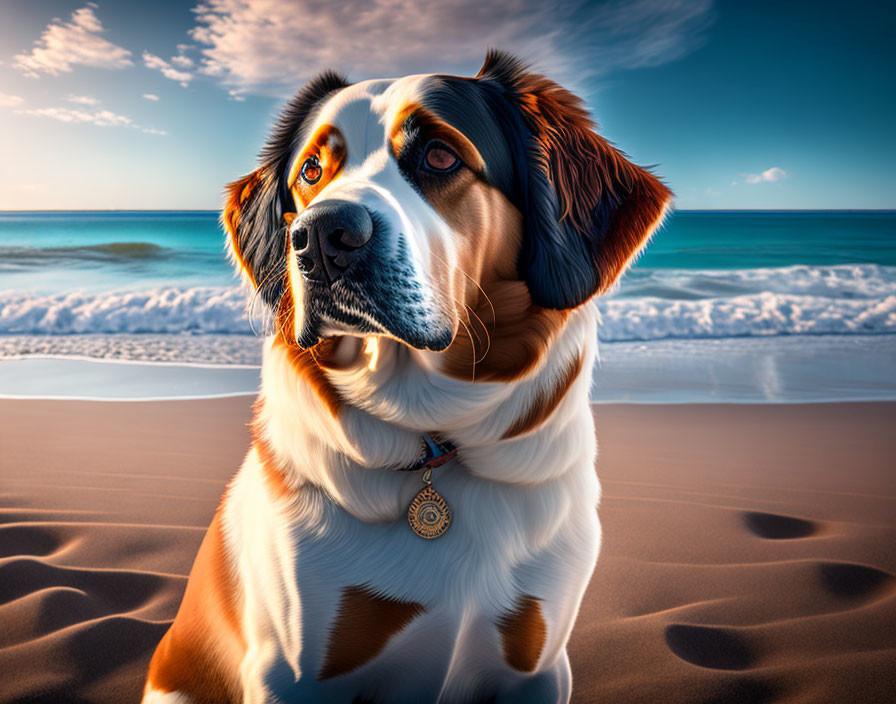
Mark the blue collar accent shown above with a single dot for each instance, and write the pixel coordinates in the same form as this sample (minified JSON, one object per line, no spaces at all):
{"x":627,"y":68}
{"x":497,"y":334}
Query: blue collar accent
{"x":435,"y":454}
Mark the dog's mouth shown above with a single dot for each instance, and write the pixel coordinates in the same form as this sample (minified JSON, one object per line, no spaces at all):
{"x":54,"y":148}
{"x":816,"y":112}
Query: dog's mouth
{"x":357,"y":278}
{"x":348,"y":310}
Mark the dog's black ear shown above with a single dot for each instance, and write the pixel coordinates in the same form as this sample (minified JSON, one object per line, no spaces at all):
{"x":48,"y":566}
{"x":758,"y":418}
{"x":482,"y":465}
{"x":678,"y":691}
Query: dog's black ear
{"x":588,"y":210}
{"x":253,"y":219}
{"x":258,"y":207}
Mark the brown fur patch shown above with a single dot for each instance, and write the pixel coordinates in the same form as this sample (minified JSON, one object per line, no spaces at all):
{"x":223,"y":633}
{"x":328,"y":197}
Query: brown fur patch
{"x":523,"y":634}
{"x":501,"y":335}
{"x":364,"y":624}
{"x":507,"y":336}
{"x":307,"y":363}
{"x":545,"y":403}
{"x":201,"y":652}
{"x":272,"y":467}
{"x":328,"y":145}
{"x":238,"y":193}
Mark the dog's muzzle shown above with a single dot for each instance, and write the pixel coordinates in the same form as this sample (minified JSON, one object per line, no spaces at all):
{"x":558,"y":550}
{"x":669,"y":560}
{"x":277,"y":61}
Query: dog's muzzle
{"x":328,"y":238}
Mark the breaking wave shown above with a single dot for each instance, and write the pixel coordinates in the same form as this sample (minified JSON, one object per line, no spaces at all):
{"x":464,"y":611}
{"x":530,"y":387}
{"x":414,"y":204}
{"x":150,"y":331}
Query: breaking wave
{"x":652,"y":305}
{"x":762,"y":314}
{"x":161,"y":310}
{"x":656,"y":304}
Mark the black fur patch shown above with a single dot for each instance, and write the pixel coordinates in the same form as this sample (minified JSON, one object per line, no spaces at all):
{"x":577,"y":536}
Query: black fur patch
{"x":261,"y":233}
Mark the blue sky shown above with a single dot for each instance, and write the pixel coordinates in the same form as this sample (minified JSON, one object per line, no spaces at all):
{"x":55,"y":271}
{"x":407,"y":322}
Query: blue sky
{"x":139,"y":105}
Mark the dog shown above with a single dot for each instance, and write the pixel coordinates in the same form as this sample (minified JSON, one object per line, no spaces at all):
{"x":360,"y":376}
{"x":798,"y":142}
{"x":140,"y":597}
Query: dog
{"x":416,"y":518}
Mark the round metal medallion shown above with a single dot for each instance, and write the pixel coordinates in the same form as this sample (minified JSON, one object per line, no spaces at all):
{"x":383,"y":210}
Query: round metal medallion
{"x":428,"y":514}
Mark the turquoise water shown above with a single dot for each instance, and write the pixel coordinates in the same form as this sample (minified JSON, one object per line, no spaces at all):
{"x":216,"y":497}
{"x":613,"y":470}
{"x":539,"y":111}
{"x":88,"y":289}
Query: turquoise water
{"x":750,"y":239}
{"x":101,"y":251}
{"x":723,"y":306}
{"x":705,"y":275}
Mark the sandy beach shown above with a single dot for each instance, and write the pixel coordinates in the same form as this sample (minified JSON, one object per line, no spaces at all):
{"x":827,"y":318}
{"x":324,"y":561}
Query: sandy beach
{"x":748,"y":549}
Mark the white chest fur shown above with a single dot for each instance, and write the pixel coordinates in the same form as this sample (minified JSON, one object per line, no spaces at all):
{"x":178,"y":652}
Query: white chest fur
{"x":524,"y":524}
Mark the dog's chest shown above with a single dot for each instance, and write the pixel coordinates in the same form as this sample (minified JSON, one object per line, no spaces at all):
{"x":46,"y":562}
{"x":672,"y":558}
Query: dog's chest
{"x":335,"y":603}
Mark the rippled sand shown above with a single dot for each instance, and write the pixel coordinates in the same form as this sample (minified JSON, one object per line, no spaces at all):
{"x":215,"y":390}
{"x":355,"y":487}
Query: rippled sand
{"x":748,"y":550}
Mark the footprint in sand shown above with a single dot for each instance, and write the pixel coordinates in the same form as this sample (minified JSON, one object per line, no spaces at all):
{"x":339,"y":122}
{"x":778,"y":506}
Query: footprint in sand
{"x":772,"y":526}
{"x":850,"y":581}
{"x":845,"y":580}
{"x":716,"y":648}
{"x":721,"y":649}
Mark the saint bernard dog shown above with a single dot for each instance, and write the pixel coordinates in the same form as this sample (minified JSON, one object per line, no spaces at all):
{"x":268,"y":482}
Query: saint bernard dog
{"x":415,"y":520}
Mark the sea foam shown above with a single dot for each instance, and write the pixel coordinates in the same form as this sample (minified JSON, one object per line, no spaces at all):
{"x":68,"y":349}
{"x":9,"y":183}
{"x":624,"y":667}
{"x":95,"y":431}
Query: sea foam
{"x":651,"y":305}
{"x":760,"y":314}
{"x":209,"y":309}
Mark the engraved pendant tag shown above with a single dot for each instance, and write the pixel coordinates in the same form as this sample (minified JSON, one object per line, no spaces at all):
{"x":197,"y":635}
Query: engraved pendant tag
{"x":428,"y":513}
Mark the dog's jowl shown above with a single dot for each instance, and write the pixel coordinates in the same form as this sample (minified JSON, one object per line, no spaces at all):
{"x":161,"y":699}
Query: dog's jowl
{"x":416,"y":519}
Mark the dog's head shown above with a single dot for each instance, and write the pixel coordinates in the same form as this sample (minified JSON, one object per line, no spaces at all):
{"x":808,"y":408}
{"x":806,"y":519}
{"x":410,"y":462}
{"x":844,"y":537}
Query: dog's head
{"x":396,"y":207}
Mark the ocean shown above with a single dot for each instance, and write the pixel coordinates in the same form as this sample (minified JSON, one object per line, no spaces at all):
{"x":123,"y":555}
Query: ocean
{"x":754,"y":306}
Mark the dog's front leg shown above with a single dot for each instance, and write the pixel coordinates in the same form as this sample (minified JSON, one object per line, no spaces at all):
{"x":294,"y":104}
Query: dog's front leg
{"x":551,"y":686}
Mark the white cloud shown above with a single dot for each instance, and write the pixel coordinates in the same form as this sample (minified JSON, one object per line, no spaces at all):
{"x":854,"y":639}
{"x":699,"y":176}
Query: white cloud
{"x":82,"y":99}
{"x":66,"y":44}
{"x":100,"y":118}
{"x":151,"y":96}
{"x":182,"y":61}
{"x":168,"y":71}
{"x":10,"y":101}
{"x":768,"y":176}
{"x":269,"y":47}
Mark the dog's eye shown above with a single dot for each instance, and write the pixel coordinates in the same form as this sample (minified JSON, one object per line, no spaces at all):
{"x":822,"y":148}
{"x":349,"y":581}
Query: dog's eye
{"x":311,"y":170}
{"x":439,"y":158}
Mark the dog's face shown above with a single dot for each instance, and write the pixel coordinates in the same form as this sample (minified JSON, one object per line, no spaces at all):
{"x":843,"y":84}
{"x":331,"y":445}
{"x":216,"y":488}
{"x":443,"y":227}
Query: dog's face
{"x":398,"y":207}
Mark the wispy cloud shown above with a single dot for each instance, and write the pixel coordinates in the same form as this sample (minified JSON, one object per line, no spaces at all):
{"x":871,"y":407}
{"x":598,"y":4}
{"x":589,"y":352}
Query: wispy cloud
{"x":10,"y":101}
{"x":151,"y":96}
{"x":66,"y":44}
{"x":168,"y":71}
{"x":82,"y":100}
{"x":261,"y":46}
{"x":768,"y":176}
{"x":100,"y":118}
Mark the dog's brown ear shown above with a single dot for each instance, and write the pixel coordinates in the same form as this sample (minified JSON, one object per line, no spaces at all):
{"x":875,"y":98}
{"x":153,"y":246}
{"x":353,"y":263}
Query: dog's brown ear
{"x":588,"y":210}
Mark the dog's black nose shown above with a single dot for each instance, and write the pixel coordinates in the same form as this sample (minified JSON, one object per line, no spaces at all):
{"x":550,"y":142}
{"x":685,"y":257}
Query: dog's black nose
{"x":328,"y":237}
